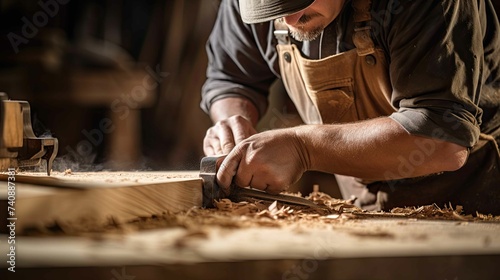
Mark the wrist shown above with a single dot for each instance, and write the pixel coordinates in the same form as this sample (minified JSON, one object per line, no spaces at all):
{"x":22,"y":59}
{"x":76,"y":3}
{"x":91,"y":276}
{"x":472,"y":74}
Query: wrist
{"x":231,"y":106}
{"x":301,"y":136}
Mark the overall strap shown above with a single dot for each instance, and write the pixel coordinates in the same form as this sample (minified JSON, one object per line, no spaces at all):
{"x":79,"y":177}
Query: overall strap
{"x":362,"y":29}
{"x":281,"y":32}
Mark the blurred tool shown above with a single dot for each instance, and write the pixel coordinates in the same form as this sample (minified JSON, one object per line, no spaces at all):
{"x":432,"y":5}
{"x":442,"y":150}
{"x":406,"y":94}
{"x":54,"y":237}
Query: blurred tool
{"x":19,"y":147}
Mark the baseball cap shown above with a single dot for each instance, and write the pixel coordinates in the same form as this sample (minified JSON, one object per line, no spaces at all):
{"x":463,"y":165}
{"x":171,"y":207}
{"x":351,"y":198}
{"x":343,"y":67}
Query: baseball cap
{"x":255,"y":11}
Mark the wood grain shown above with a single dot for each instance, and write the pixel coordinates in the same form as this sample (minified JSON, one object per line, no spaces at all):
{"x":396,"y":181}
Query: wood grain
{"x":12,"y":133}
{"x":98,"y":198}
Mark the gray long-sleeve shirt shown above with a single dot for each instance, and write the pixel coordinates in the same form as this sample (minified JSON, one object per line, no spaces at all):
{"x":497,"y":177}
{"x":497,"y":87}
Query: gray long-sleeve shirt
{"x":444,"y":62}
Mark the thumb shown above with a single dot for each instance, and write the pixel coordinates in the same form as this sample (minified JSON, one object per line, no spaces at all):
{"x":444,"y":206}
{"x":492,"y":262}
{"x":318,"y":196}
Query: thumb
{"x":227,"y":170}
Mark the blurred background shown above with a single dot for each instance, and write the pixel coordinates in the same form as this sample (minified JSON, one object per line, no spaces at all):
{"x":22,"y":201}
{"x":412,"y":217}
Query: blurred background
{"x":116,"y":81}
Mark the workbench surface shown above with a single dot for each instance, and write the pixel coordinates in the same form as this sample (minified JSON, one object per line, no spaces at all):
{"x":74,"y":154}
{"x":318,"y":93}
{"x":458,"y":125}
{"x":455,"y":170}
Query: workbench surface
{"x":248,"y":240}
{"x":419,"y":247}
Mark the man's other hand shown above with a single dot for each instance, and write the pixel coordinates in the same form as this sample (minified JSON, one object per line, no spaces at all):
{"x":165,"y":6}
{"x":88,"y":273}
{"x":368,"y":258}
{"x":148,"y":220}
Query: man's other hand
{"x":225,"y":134}
{"x":235,"y":120}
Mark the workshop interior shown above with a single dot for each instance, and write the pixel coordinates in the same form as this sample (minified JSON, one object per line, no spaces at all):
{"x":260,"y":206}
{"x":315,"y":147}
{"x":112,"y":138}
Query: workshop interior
{"x":107,"y":93}
{"x":138,"y":64}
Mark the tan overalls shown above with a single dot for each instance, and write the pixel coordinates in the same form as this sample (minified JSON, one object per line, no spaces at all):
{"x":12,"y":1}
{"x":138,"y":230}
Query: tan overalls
{"x":355,"y":85}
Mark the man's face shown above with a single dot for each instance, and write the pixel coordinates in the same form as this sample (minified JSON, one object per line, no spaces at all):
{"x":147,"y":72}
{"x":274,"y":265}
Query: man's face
{"x":308,"y":24}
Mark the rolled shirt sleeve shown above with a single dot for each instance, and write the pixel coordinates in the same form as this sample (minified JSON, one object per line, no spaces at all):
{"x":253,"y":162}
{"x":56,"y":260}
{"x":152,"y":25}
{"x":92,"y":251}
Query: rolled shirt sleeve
{"x":436,"y":69}
{"x":241,"y":59}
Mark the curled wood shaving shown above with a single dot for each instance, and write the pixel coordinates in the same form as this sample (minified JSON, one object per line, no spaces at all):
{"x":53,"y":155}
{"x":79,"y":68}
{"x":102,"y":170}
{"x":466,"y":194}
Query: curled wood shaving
{"x":274,"y":212}
{"x":338,"y":206}
{"x":255,"y":213}
{"x":487,"y":217}
{"x":224,"y":204}
{"x":433,"y":211}
{"x":239,"y":208}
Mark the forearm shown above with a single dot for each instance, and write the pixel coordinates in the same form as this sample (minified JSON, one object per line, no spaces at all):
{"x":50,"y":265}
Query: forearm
{"x":233,"y":106}
{"x":378,"y":149}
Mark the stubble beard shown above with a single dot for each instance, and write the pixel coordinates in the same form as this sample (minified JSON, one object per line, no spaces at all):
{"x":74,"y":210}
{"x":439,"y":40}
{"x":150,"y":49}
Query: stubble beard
{"x":301,"y":35}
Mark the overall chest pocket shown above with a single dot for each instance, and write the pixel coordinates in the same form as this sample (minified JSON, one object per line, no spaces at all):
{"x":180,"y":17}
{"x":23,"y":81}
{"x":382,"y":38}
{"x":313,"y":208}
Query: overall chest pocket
{"x":335,"y":101}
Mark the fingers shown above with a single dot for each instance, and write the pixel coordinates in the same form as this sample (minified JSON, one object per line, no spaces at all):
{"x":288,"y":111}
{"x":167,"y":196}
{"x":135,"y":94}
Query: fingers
{"x":243,"y":131}
{"x":275,"y":189}
{"x":226,"y":140}
{"x":208,"y":148}
{"x":264,"y":183}
{"x":244,"y":175}
{"x":256,"y":182}
{"x":218,"y":141}
{"x":228,"y":169}
{"x":225,"y":134}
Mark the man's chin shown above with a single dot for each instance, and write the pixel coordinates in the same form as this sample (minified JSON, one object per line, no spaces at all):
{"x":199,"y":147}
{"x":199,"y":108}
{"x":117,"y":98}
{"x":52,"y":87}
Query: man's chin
{"x":301,"y":35}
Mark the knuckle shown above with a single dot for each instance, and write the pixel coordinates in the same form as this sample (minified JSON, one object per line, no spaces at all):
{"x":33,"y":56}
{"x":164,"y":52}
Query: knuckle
{"x":279,"y":183}
{"x":238,"y":120}
{"x":221,"y":178}
{"x":240,"y":182}
{"x":227,"y":146}
{"x":210,"y":132}
{"x":207,"y":141}
{"x":277,"y":187}
{"x":273,"y":190}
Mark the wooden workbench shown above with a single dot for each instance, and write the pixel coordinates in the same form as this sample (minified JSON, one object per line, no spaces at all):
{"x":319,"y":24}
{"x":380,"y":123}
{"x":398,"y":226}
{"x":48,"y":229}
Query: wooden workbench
{"x":353,"y":249}
{"x":209,"y":245}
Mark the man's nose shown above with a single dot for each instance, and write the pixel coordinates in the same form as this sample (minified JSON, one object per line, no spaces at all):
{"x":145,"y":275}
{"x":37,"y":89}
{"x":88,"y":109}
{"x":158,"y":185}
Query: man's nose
{"x":294,"y":18}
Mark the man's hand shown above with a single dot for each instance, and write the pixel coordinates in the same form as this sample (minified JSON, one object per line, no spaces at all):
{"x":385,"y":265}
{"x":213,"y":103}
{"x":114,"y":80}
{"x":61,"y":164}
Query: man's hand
{"x":235,"y":119}
{"x":224,"y":135}
{"x":270,"y":161}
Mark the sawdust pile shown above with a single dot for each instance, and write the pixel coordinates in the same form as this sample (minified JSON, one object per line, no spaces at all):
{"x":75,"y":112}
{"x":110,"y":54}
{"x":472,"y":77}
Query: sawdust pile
{"x":245,"y":214}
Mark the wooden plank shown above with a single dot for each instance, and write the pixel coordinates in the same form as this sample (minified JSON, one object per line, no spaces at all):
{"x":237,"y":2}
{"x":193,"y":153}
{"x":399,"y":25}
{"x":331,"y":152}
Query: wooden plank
{"x":347,"y":239}
{"x":98,"y":198}
{"x":70,"y":179}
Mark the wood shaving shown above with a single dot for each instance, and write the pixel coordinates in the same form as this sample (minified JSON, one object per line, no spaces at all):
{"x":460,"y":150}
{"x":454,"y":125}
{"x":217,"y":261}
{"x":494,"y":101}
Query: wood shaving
{"x":250,"y":214}
{"x":274,"y":213}
{"x":446,"y":213}
{"x":335,"y":205}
